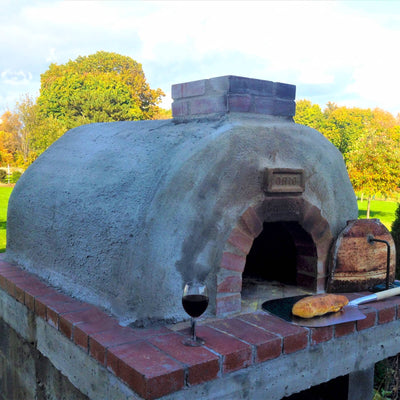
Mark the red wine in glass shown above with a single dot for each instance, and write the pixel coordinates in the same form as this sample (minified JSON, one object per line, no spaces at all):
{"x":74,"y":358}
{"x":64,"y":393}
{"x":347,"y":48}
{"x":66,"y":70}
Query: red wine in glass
{"x":195,"y":302}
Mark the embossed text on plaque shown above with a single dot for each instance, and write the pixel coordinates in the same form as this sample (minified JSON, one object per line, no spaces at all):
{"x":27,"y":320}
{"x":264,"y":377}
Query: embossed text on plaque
{"x":283,"y":180}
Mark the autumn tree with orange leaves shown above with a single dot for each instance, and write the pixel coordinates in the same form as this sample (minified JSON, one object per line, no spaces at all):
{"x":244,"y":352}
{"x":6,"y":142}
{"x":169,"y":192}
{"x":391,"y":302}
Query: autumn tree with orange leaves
{"x":369,"y":141}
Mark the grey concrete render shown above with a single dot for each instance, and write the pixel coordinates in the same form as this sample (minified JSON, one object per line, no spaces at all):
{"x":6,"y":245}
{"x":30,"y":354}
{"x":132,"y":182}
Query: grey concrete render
{"x":121,"y":214}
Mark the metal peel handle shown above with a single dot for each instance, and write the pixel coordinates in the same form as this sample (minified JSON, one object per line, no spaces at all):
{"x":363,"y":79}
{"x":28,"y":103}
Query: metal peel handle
{"x":387,"y":293}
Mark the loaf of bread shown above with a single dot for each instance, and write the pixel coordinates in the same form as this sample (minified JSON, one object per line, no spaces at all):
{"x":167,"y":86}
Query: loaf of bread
{"x":320,"y":304}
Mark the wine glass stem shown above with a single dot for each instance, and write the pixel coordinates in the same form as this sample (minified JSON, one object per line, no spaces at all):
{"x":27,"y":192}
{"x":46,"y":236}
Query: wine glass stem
{"x":194,"y":329}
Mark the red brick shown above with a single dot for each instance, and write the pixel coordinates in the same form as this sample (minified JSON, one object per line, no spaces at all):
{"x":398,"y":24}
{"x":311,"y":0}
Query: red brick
{"x":386,"y":309}
{"x":32,"y":287}
{"x":188,"y":89}
{"x":240,"y":102}
{"x":311,"y":216}
{"x":202,"y":364}
{"x":10,"y":270}
{"x":180,"y":109}
{"x":345,"y":329}
{"x":252,"y":222}
{"x":294,"y":337}
{"x":263,"y":105}
{"x":233,"y":262}
{"x":69,"y":320}
{"x":230,"y":284}
{"x":2,"y":282}
{"x":19,"y":294}
{"x":99,"y":342}
{"x":55,"y":304}
{"x":145,"y":369}
{"x":319,"y":335}
{"x":370,"y":319}
{"x":283,"y":107}
{"x":10,"y":286}
{"x":241,"y":240}
{"x":306,"y":264}
{"x":207,"y":105}
{"x":18,"y":283}
{"x":40,"y":309}
{"x":9,"y":279}
{"x":236,"y":354}
{"x":228,"y":304}
{"x":146,"y":333}
{"x":266,"y":345}
{"x":83,"y":330}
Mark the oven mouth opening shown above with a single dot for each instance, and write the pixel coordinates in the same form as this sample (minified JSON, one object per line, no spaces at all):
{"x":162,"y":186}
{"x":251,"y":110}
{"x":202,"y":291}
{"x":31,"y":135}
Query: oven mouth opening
{"x":282,"y":262}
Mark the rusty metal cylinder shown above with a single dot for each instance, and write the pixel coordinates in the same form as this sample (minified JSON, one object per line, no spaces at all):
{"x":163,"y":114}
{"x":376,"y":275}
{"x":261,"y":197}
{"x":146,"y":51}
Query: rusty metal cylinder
{"x":358,"y":263}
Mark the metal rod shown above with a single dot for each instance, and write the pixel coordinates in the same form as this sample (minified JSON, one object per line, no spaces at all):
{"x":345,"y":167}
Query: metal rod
{"x":371,"y":239}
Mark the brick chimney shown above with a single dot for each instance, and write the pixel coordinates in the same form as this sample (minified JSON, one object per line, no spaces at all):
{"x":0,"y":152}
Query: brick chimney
{"x":226,"y":94}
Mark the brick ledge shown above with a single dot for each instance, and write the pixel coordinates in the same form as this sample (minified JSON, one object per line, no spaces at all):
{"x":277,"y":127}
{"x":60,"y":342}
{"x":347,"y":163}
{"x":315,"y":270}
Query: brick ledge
{"x":153,"y":362}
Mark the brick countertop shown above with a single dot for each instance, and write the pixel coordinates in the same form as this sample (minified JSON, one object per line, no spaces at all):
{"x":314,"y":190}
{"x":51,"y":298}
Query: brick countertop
{"x":154,"y":362}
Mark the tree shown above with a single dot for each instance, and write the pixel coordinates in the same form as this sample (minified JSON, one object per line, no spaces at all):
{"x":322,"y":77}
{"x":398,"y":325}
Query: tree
{"x":101,"y":87}
{"x":343,"y":126}
{"x":309,"y":114}
{"x":374,"y":164}
{"x":10,"y":125}
{"x":27,"y":113}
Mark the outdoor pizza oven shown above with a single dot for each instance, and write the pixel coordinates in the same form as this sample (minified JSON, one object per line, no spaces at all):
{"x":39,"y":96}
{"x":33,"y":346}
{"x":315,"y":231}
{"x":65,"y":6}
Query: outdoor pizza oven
{"x":230,"y":191}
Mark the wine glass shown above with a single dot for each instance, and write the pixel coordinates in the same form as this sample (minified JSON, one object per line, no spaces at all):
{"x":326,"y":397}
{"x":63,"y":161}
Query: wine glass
{"x":195,"y":302}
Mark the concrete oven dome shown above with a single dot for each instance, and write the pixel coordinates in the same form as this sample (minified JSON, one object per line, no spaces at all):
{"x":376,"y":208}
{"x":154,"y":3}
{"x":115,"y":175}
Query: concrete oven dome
{"x":122,"y":214}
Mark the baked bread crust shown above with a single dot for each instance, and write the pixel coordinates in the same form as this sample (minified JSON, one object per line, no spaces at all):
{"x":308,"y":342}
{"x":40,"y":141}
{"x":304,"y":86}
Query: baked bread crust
{"x":320,"y":304}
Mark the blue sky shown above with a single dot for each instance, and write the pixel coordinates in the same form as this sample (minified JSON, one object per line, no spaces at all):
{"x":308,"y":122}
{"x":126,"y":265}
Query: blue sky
{"x":340,"y":51}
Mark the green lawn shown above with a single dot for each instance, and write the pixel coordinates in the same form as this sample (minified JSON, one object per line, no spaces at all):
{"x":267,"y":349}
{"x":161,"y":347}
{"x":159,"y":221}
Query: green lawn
{"x":5,"y":192}
{"x":383,"y":210}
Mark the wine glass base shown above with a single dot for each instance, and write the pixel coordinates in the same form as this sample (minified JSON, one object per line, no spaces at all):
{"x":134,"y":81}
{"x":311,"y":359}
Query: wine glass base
{"x":193,"y":342}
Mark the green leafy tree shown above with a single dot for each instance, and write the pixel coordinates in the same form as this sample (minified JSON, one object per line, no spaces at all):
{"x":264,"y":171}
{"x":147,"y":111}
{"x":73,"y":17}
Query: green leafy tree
{"x":10,"y":127}
{"x":101,"y":87}
{"x":309,"y":114}
{"x":27,"y":113}
{"x":3,"y":176}
{"x":343,"y":126}
{"x":47,"y":131}
{"x":37,"y":132}
{"x":374,"y":165}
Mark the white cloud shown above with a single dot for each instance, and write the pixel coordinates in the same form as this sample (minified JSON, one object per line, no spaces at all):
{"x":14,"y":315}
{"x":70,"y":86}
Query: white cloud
{"x":306,"y":43}
{"x":20,"y":77}
{"x":52,"y":57}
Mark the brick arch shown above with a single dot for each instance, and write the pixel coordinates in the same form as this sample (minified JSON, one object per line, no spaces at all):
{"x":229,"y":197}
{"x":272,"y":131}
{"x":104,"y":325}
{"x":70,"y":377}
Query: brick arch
{"x":249,"y":226}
